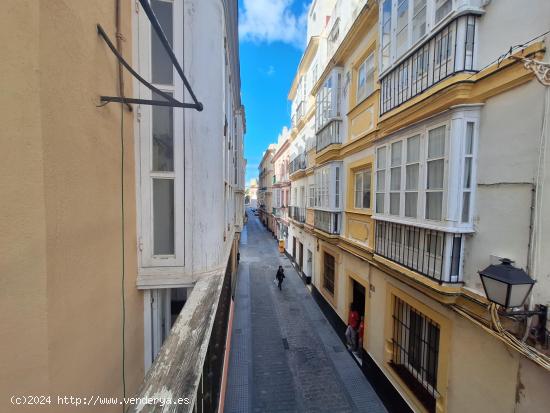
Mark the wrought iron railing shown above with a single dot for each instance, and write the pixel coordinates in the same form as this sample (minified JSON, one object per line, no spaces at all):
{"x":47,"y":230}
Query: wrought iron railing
{"x":330,"y":134}
{"x":432,"y":253}
{"x":298,"y":163}
{"x":448,"y":52}
{"x":298,"y":214}
{"x":326,"y":221}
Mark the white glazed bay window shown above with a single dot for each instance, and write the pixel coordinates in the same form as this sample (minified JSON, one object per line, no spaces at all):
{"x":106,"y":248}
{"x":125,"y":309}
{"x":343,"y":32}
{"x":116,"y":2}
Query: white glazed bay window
{"x":405,"y":23}
{"x":328,"y":186}
{"x":328,"y":197}
{"x":425,"y":191}
{"x":425,"y":176}
{"x":327,"y":115}
{"x":161,"y":188}
{"x":365,"y":78}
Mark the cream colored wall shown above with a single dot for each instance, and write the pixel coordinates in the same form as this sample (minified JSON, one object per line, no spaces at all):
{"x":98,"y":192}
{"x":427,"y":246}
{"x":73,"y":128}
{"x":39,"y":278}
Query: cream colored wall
{"x":483,"y":373}
{"x":23,"y":262}
{"x":61,"y":227}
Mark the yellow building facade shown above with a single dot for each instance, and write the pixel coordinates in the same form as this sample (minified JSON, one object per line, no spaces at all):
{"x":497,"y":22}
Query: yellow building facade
{"x":412,"y":167}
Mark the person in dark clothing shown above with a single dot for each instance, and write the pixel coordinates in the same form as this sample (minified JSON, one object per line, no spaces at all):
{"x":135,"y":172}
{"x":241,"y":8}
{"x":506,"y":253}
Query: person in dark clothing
{"x":280,"y":276}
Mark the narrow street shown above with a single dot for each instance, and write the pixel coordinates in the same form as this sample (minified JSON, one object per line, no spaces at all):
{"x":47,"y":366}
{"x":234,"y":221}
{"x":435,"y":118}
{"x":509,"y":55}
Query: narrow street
{"x":285,"y":357}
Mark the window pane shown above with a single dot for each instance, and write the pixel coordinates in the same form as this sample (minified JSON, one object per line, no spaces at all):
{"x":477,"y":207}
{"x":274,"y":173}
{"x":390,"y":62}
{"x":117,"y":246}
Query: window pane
{"x":436,"y":171}
{"x":380,"y":203}
{"x":396,"y":149}
{"x":402,"y":14}
{"x":434,"y":204}
{"x":381,"y":158}
{"x":411,"y":201}
{"x":358,"y":199}
{"x":436,"y":142}
{"x":394,"y":203}
{"x":467,"y":172}
{"x":419,"y":19}
{"x":466,"y":207}
{"x":366,"y":180}
{"x":395,"y":178}
{"x":358,"y":181}
{"x":163,"y":216}
{"x":413,"y":149}
{"x":412,"y":177}
{"x":163,"y":137}
{"x":380,"y":181}
{"x":442,"y":8}
{"x":469,"y":138}
{"x":161,"y":65}
{"x":366,"y":199}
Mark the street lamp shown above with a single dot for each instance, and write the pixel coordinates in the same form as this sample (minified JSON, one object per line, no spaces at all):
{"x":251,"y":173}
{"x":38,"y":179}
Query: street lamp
{"x":505,"y":284}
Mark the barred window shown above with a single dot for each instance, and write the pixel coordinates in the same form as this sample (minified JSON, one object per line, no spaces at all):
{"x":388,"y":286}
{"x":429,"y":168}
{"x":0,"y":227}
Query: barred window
{"x":415,"y":352}
{"x":328,"y":273}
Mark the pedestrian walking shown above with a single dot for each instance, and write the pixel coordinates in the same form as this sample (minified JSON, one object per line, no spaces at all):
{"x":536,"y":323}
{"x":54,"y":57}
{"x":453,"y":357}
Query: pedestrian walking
{"x":280,"y":276}
{"x":353,"y":325}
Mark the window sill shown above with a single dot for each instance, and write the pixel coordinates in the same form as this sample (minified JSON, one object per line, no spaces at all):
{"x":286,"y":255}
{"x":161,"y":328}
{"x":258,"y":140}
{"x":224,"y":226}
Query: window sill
{"x":435,"y":225}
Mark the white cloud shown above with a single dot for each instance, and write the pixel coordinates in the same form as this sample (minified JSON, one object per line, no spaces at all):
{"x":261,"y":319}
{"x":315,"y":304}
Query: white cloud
{"x":271,"y":21}
{"x":270,"y":71}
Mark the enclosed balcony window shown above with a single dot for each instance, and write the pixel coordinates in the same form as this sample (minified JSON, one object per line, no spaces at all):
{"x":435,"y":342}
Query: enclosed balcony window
{"x":448,"y":51}
{"x":328,"y":187}
{"x":426,"y":174}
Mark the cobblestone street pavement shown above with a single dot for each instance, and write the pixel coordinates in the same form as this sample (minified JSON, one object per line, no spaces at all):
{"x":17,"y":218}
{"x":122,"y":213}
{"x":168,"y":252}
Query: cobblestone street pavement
{"x":285,"y":357}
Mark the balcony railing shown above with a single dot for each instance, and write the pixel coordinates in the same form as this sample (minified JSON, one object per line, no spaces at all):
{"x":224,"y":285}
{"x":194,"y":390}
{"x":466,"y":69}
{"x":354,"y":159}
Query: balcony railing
{"x":298,"y":163}
{"x":298,"y":214}
{"x":328,"y":222}
{"x":329,"y":135}
{"x":434,"y":254}
{"x":190,"y":362}
{"x":448,"y":52}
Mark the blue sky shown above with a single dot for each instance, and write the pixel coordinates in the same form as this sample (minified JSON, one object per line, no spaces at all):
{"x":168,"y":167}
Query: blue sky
{"x":272,"y":38}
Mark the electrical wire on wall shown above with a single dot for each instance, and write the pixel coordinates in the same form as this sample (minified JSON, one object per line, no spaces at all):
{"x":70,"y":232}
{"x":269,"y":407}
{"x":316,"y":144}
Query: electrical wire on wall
{"x":119,"y":38}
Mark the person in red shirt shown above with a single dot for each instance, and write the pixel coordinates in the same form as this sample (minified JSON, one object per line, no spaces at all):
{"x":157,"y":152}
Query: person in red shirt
{"x":353,"y":325}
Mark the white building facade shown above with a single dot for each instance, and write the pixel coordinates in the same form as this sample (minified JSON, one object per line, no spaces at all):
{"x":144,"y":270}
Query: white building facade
{"x":190,"y":176}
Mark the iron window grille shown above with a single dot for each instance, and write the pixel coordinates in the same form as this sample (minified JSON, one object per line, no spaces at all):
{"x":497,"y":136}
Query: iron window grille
{"x":448,"y":52}
{"x":327,"y":221}
{"x":328,"y":273}
{"x":415,"y":352}
{"x":432,"y":253}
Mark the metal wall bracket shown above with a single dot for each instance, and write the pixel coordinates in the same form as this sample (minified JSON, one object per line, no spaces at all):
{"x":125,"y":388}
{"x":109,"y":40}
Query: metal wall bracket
{"x":170,"y":101}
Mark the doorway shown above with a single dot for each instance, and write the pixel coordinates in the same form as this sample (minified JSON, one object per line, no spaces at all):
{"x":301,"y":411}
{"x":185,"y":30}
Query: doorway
{"x":300,"y":256}
{"x":359,"y":298}
{"x":294,"y":248}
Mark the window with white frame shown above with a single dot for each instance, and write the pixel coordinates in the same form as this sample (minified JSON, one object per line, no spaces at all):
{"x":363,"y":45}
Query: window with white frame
{"x":385,"y":33}
{"x":362,"y":184}
{"x":412,"y":176}
{"x":402,"y":26}
{"x":418,"y":20}
{"x":365,"y":78}
{"x":413,"y":172}
{"x":380,"y":179}
{"x":328,"y":186}
{"x":395,"y":177}
{"x":161,"y":188}
{"x":311,"y":200}
{"x":327,"y":100}
{"x":403,"y":23}
{"x":468,"y":166}
{"x":435,"y":173}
